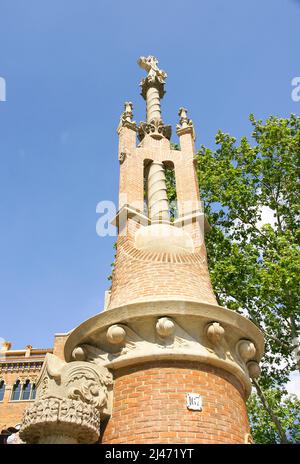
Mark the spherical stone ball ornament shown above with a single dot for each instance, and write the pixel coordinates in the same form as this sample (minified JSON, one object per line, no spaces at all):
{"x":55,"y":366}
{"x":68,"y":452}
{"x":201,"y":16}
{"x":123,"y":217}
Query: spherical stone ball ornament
{"x":165,"y":327}
{"x":215,"y":333}
{"x":79,"y":354}
{"x":253,"y":369}
{"x":116,"y":334}
{"x":246,"y":349}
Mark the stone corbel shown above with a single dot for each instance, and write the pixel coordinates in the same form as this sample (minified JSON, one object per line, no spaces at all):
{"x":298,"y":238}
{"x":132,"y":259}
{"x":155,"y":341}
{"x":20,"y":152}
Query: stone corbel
{"x":71,"y":400}
{"x":123,"y":155}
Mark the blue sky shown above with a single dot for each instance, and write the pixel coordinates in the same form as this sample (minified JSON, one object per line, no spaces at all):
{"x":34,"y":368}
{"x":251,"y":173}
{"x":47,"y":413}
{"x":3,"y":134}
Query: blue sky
{"x":69,"y":66}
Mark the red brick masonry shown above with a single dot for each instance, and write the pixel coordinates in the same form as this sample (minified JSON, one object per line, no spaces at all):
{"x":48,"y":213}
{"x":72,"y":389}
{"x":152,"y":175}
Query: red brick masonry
{"x":150,"y":405}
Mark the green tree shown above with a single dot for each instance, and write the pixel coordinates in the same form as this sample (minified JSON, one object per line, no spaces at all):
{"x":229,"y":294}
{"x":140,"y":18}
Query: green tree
{"x":254,"y":267}
{"x":286,"y":409}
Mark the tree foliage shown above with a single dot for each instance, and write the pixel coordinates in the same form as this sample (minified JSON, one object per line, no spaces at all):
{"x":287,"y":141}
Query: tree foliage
{"x":255,"y":266}
{"x":286,"y":408}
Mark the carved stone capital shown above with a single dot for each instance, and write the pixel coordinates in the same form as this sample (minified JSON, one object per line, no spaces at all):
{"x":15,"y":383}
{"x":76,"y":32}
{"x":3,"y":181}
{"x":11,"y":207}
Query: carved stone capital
{"x":149,"y":82}
{"x":156,"y":128}
{"x":71,"y":397}
{"x":70,"y":421}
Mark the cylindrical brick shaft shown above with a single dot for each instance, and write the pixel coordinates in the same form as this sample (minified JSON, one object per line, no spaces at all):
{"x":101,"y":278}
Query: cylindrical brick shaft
{"x":157,"y":193}
{"x":150,"y":405}
{"x":153,"y":104}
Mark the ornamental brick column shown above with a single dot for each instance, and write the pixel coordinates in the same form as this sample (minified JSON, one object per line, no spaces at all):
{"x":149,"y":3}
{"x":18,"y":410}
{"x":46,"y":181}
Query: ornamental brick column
{"x":181,"y":364}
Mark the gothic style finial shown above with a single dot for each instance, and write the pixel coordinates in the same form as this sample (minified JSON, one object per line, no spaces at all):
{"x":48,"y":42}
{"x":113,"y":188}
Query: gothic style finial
{"x":128,"y":106}
{"x":126,"y":117}
{"x":185,"y":125}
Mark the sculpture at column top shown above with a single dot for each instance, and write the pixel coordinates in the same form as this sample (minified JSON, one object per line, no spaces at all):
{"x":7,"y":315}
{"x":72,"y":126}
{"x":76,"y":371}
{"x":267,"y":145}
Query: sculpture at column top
{"x":185,"y":125}
{"x":126,"y":117}
{"x":150,"y":65}
{"x":155,"y":78}
{"x":152,"y":90}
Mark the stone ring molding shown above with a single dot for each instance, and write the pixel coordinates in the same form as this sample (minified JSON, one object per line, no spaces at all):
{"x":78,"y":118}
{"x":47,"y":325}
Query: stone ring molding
{"x":170,"y":330}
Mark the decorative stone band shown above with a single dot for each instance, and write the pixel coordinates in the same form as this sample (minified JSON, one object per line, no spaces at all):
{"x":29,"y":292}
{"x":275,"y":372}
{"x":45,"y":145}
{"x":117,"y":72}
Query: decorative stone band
{"x":173,"y":330}
{"x":71,"y":398}
{"x":60,"y":420}
{"x":146,"y":256}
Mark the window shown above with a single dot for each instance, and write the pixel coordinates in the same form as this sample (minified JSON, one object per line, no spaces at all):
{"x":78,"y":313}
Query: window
{"x":33,"y":391}
{"x":16,"y":391}
{"x":23,"y":391}
{"x":26,"y":390}
{"x":2,"y":390}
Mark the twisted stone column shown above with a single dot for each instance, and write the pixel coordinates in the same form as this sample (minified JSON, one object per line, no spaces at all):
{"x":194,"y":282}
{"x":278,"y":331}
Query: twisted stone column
{"x":157,"y":193}
{"x":153,"y":104}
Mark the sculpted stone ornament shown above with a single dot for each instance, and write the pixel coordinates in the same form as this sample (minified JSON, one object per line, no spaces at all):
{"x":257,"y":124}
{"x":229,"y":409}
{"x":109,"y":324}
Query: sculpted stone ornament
{"x":253,"y":369}
{"x":79,"y":354}
{"x":156,"y":128}
{"x":116,"y":334}
{"x":246,"y":349}
{"x":123,"y":155}
{"x":171,"y":330}
{"x":71,"y":398}
{"x":126,"y":118}
{"x":165,"y":327}
{"x":215,"y":333}
{"x":60,"y":420}
{"x":153,"y":90}
{"x":185,"y":125}
{"x":155,"y":75}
